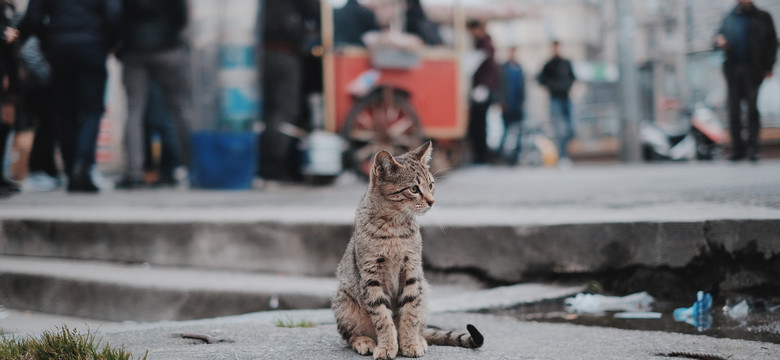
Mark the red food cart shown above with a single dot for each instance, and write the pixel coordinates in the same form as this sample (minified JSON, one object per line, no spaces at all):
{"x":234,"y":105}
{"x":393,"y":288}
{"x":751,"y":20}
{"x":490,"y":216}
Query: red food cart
{"x":395,"y":99}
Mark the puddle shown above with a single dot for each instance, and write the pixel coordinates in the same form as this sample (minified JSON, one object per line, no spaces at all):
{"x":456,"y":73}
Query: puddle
{"x":761,"y":324}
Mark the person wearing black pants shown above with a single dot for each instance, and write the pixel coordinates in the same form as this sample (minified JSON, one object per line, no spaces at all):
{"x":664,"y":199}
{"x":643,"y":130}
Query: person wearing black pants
{"x":38,"y":92}
{"x":749,"y":40}
{"x":483,"y":83}
{"x":79,"y":75}
{"x":78,"y":36}
{"x":8,"y":70}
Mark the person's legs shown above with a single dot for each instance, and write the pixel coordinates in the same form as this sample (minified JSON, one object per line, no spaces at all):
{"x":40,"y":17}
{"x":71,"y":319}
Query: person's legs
{"x":752,"y":145}
{"x":43,"y":149}
{"x":65,"y":107}
{"x":568,"y":127}
{"x":159,"y":121}
{"x":514,"y":159}
{"x":511,"y":118}
{"x":506,"y":116}
{"x":91,"y":86}
{"x":477,"y":131}
{"x":735,"y":95}
{"x":556,"y":116}
{"x":136,"y":81}
{"x":170,"y":70}
{"x":283,"y":81}
{"x":560,"y":112}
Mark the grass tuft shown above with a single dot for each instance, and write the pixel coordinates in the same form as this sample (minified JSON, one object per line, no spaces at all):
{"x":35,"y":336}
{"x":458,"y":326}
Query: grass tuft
{"x":290,"y":323}
{"x":62,"y":344}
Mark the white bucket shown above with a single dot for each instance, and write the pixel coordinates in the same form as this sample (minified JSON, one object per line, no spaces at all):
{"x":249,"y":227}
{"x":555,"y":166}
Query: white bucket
{"x":323,"y":154}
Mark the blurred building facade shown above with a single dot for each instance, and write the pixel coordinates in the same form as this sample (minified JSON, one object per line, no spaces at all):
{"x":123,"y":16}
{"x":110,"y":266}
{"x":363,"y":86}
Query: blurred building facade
{"x":673,"y":51}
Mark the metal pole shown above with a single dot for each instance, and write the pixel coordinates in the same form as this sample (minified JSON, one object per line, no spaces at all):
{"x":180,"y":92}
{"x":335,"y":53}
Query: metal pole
{"x":629,"y":86}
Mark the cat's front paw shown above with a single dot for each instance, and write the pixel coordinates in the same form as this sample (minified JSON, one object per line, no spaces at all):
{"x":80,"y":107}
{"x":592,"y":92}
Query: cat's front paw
{"x":364,"y":345}
{"x":385,"y":352}
{"x":414,"y":348}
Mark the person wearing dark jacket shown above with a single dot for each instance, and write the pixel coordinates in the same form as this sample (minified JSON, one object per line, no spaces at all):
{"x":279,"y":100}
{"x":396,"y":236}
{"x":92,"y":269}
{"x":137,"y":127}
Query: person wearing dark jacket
{"x":417,"y":23}
{"x":284,"y":42}
{"x":512,"y":97}
{"x":153,"y":47}
{"x":77,"y":36}
{"x":750,"y":42}
{"x":483,"y":85}
{"x":351,"y":22}
{"x":558,"y":76}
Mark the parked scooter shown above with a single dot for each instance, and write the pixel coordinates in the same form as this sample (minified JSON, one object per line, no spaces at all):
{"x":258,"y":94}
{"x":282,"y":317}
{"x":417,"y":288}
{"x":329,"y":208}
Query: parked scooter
{"x":702,"y":141}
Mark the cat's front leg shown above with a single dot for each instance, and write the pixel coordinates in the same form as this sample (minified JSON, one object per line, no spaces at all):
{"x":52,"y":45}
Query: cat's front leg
{"x":414,"y":312}
{"x":378,"y":307}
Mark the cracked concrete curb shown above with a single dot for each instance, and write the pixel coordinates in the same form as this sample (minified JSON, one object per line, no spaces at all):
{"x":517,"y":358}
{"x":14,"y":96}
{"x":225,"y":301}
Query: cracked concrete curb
{"x":496,"y":254}
{"x":116,"y":292}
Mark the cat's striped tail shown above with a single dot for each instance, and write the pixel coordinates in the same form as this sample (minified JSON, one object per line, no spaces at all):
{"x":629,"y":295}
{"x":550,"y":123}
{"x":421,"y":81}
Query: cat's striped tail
{"x":472,"y":340}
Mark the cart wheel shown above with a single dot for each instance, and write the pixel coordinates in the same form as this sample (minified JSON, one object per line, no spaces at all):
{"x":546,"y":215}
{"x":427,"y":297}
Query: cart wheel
{"x":383,"y":120}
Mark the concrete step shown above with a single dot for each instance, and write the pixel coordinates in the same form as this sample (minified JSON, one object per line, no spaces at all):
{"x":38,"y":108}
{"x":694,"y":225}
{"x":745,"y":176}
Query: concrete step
{"x":117,"y":292}
{"x":498,"y":251}
{"x":143,"y":293}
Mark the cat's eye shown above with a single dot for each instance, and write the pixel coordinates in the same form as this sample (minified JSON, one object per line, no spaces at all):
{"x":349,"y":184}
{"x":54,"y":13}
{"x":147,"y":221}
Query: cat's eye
{"x":414,"y":189}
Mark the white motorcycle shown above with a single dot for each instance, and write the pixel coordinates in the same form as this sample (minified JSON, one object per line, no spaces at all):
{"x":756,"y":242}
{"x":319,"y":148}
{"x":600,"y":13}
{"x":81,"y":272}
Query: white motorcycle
{"x":702,"y":141}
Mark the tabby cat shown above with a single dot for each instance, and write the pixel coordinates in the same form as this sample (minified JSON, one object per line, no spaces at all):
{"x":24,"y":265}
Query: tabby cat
{"x":381,"y":305}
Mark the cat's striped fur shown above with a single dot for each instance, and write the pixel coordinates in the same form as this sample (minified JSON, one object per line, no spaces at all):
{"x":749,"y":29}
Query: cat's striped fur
{"x":381,"y":305}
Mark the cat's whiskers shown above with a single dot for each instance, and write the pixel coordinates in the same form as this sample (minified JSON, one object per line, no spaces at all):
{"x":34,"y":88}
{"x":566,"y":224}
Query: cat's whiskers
{"x":437,"y":220}
{"x":435,"y":174}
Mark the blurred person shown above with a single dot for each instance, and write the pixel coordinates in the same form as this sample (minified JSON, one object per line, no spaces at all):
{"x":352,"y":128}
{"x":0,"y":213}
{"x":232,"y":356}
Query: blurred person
{"x":39,"y":90}
{"x":512,"y":99}
{"x":483,"y":84}
{"x":77,"y":37}
{"x":157,"y":122}
{"x":351,"y":22}
{"x":417,"y":23}
{"x":748,"y":37}
{"x":558,"y":77}
{"x":283,"y":44}
{"x":8,"y":88}
{"x":153,"y":46}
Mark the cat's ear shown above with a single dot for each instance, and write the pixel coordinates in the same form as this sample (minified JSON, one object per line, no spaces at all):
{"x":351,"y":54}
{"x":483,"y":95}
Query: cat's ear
{"x":385,"y":163}
{"x":423,"y":153}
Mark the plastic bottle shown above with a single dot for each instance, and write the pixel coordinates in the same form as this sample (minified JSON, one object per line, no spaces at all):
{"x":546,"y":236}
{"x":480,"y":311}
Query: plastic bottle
{"x":701,"y":311}
{"x":698,"y":315}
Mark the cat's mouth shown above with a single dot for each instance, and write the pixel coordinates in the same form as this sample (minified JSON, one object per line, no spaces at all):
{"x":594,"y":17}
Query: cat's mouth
{"x":422,"y":209}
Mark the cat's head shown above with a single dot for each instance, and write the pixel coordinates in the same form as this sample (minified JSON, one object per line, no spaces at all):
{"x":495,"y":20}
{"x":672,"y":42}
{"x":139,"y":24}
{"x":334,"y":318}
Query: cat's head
{"x":405,"y":181}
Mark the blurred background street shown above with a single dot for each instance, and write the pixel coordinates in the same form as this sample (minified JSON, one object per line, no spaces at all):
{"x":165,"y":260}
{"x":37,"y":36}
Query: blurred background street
{"x":195,"y":165}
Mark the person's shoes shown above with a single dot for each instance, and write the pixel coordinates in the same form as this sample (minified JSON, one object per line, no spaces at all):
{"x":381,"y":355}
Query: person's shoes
{"x":40,"y":181}
{"x":754,"y":158}
{"x":128,"y":183}
{"x":736,"y":157}
{"x":165,"y":181}
{"x":82,"y":184}
{"x":80,"y":181}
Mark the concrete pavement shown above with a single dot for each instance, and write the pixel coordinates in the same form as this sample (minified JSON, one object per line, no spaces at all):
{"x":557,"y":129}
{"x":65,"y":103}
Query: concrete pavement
{"x":491,"y":224}
{"x":254,"y":336}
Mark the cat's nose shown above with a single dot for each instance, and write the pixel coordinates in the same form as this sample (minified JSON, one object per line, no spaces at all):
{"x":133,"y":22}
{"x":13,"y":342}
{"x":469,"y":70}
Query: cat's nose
{"x":429,"y":201}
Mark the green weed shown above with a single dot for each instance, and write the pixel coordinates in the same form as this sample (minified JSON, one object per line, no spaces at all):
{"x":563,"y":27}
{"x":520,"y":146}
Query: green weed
{"x":62,"y":344}
{"x":290,"y":323}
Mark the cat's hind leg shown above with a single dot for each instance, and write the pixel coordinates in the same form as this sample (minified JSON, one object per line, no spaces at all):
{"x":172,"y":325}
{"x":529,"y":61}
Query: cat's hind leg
{"x":354,"y":324}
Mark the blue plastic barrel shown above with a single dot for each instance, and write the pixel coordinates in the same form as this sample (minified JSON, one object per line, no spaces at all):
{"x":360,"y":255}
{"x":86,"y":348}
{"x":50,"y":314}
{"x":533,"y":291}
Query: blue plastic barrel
{"x":223,"y":160}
